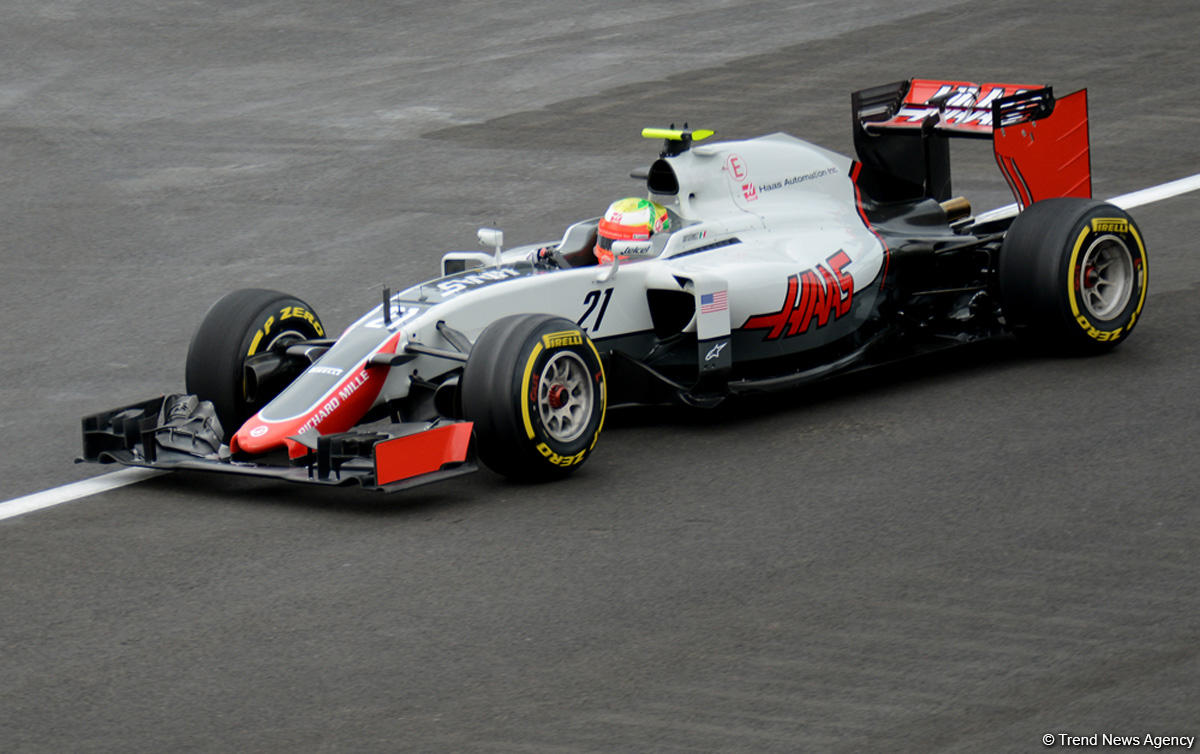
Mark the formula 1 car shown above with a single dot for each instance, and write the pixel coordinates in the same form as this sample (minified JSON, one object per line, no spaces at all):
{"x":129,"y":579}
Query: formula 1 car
{"x":784,"y":263}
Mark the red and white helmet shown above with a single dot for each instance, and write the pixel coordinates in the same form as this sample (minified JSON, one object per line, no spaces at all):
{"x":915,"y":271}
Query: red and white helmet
{"x":630,"y":219}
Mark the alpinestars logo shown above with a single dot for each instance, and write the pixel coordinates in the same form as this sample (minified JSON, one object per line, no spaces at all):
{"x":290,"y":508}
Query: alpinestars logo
{"x":824,"y":292}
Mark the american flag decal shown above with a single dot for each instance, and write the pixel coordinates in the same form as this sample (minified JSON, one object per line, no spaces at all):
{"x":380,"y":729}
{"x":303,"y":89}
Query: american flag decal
{"x":713,"y":302}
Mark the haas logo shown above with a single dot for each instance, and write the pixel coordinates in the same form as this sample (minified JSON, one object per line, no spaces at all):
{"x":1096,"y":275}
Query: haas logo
{"x":824,"y":293}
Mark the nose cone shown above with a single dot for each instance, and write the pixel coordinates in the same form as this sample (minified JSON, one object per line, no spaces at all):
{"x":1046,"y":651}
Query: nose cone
{"x":257,"y":437}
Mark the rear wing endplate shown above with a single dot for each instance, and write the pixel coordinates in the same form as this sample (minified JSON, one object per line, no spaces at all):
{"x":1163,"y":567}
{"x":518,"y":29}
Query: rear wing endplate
{"x":902,"y":132}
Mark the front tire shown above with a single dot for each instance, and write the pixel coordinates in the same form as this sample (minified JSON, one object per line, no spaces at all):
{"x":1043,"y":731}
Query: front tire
{"x":244,"y":323}
{"x":1073,"y":274}
{"x":535,"y":389}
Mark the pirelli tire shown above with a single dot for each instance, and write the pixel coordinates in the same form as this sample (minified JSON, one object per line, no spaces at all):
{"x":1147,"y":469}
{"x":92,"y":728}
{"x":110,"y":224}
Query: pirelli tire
{"x":1073,"y":275}
{"x":535,"y":388}
{"x":244,"y":323}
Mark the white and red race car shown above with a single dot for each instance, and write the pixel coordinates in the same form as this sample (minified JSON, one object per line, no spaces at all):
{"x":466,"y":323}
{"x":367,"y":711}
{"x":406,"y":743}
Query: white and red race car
{"x":784,"y":263}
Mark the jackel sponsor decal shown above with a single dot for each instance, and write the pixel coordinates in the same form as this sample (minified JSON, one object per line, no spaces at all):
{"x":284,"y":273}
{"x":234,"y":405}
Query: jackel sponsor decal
{"x":824,"y":292}
{"x":561,"y":339}
{"x":453,"y":287}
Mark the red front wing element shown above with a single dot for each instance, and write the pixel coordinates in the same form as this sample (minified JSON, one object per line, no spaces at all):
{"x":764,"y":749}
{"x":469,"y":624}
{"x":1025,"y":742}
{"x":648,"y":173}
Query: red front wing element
{"x":423,"y":453}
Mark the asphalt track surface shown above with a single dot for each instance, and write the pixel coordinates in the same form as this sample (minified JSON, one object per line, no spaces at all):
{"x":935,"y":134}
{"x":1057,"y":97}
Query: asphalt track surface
{"x":959,"y":554}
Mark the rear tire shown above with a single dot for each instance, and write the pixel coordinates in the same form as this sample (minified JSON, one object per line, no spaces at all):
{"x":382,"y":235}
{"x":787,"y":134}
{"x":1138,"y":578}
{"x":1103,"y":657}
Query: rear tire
{"x":244,"y":323}
{"x":1073,"y":275}
{"x":535,"y":389}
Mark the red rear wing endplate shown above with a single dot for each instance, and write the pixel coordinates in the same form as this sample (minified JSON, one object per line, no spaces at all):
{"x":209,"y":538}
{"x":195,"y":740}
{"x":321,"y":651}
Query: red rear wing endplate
{"x":1044,"y":156}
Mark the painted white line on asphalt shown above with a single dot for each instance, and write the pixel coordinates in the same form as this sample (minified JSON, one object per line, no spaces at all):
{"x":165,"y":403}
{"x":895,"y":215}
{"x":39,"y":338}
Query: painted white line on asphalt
{"x":1157,"y":193}
{"x":69,"y":492}
{"x":1124,"y":201}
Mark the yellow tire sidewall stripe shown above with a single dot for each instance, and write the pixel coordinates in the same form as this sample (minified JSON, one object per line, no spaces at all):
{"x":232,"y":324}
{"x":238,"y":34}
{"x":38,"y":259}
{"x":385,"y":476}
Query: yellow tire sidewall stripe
{"x":603,"y":393}
{"x":1083,"y":234}
{"x":1145,"y":275}
{"x":533,"y":357}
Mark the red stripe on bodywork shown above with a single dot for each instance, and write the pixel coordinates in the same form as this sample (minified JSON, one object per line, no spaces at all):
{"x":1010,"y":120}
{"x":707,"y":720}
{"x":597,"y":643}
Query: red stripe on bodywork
{"x":855,"y":170}
{"x":1016,"y":182}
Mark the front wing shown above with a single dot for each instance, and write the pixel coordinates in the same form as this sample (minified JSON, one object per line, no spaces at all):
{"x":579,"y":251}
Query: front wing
{"x":144,"y":434}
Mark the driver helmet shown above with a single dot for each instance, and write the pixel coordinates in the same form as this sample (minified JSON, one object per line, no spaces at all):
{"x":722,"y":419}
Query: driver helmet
{"x":630,"y":219}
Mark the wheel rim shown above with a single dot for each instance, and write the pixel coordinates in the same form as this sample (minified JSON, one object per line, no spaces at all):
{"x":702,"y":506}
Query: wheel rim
{"x":1105,"y":278}
{"x":288,"y":334}
{"x":565,"y":396}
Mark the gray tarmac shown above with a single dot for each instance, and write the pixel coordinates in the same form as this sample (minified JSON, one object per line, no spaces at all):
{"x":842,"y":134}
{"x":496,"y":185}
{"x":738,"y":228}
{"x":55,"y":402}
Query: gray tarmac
{"x":963,"y":553}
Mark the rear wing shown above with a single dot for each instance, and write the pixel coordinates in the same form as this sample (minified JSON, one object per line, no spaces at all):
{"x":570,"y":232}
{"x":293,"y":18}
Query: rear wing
{"x":902,"y":132}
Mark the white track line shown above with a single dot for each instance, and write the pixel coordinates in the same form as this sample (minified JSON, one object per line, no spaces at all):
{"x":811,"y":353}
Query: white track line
{"x":113,"y":480}
{"x":69,"y":492}
{"x":1124,"y":201}
{"x":1157,"y":193}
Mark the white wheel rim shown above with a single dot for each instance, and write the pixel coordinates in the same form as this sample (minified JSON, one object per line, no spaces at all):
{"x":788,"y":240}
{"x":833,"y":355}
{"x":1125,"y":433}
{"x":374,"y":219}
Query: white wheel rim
{"x":565,"y":396}
{"x":1105,"y":278}
{"x":285,"y":334}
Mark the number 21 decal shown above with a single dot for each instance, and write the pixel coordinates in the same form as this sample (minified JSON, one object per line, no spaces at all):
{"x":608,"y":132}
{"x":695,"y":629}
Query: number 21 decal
{"x":590,"y":301}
